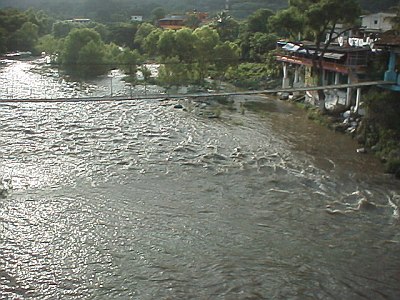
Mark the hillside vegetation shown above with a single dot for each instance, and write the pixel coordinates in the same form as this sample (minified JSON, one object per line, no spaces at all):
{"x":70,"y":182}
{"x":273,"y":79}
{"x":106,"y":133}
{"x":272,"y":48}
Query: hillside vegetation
{"x":121,"y":10}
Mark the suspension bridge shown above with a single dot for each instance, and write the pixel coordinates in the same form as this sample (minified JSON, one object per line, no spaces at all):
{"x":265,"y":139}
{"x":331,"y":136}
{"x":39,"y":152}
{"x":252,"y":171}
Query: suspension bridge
{"x":162,"y":96}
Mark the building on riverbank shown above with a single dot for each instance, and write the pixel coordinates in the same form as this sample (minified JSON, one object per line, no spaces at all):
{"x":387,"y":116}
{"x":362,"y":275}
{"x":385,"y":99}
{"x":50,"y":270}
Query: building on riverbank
{"x":345,"y":61}
{"x":341,"y":65}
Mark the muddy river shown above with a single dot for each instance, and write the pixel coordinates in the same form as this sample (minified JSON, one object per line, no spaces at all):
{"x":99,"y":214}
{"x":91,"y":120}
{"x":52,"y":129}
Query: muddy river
{"x":142,"y":199}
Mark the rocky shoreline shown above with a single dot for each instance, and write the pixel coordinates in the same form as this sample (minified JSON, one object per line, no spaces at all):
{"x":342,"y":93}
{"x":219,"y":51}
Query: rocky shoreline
{"x":366,"y":130}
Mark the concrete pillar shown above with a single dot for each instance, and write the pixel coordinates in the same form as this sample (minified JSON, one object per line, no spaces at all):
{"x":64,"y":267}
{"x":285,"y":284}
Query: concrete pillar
{"x":337,"y":76}
{"x":285,"y":80}
{"x":349,"y":90}
{"x":296,"y":75}
{"x":358,"y":100}
{"x":302,"y":75}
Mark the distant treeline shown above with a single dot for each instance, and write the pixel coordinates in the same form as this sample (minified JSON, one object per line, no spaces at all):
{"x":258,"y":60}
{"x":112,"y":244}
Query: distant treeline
{"x":121,"y":10}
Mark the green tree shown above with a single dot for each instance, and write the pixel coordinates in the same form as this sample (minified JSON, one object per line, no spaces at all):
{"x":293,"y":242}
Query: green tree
{"x":206,"y":40}
{"x":166,"y":44}
{"x":192,"y":21}
{"x":25,"y":37}
{"x":184,"y":44}
{"x":128,"y":61}
{"x":49,"y":44}
{"x":151,"y":41}
{"x":61,"y":29}
{"x":226,"y":56}
{"x":258,"y":22}
{"x":91,"y":59}
{"x":288,"y":23}
{"x":84,"y":53}
{"x":41,"y":19}
{"x":143,"y":31}
{"x":3,"y":42}
{"x":396,"y":19}
{"x":113,"y":51}
{"x":261,"y":44}
{"x":158,"y":13}
{"x":146,"y":73}
{"x":226,"y":26}
{"x":11,"y":20}
{"x":123,"y":34}
{"x":102,"y":30}
{"x":173,"y":73}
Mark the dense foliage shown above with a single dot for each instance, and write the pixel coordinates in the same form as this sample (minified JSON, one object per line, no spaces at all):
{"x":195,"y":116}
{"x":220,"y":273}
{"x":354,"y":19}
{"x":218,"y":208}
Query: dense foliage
{"x":227,"y":47}
{"x":121,"y":10}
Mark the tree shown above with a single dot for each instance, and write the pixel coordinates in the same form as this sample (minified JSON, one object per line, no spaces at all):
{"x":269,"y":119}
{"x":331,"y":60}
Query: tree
{"x":261,"y":43}
{"x":128,"y":61}
{"x":123,"y":34}
{"x":146,"y":72}
{"x":25,"y":37}
{"x":205,"y":42}
{"x":62,"y":28}
{"x":174,"y":73}
{"x":226,"y":56}
{"x":396,"y":19}
{"x":151,"y":41}
{"x":287,"y":23}
{"x":143,"y":31}
{"x":91,"y":59}
{"x":192,"y":21}
{"x":84,"y":53}
{"x":158,"y":13}
{"x":166,"y":44}
{"x":258,"y":22}
{"x":49,"y":44}
{"x":184,"y":44}
{"x":41,"y":19}
{"x":226,"y":26}
{"x":3,"y":43}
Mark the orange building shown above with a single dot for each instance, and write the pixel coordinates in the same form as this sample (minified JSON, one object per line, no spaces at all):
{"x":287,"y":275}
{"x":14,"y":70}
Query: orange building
{"x":176,"y":22}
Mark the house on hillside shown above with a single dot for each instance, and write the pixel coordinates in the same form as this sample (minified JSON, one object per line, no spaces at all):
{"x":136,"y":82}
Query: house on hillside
{"x":136,"y":18}
{"x":80,"y":21}
{"x":377,"y":23}
{"x":173,"y":22}
{"x":176,"y":22}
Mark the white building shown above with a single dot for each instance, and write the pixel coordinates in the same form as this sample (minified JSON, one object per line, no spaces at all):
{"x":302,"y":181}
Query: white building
{"x":379,"y":22}
{"x":136,"y":18}
{"x":80,"y":21}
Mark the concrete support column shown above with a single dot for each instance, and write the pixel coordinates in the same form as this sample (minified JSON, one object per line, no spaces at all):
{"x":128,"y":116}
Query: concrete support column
{"x":358,"y":100}
{"x":349,"y":90}
{"x":285,"y":80}
{"x":302,"y":75}
{"x":337,"y":76}
{"x":296,"y":75}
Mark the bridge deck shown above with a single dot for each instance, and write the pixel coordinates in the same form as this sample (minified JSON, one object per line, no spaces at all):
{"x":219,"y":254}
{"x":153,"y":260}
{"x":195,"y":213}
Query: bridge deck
{"x":197,"y":95}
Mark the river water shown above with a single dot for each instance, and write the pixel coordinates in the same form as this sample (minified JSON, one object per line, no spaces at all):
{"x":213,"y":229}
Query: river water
{"x":141,"y":200}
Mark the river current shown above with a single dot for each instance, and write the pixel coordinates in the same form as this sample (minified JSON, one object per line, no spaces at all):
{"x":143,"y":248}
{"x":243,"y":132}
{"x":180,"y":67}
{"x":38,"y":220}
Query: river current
{"x":142,"y":200}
